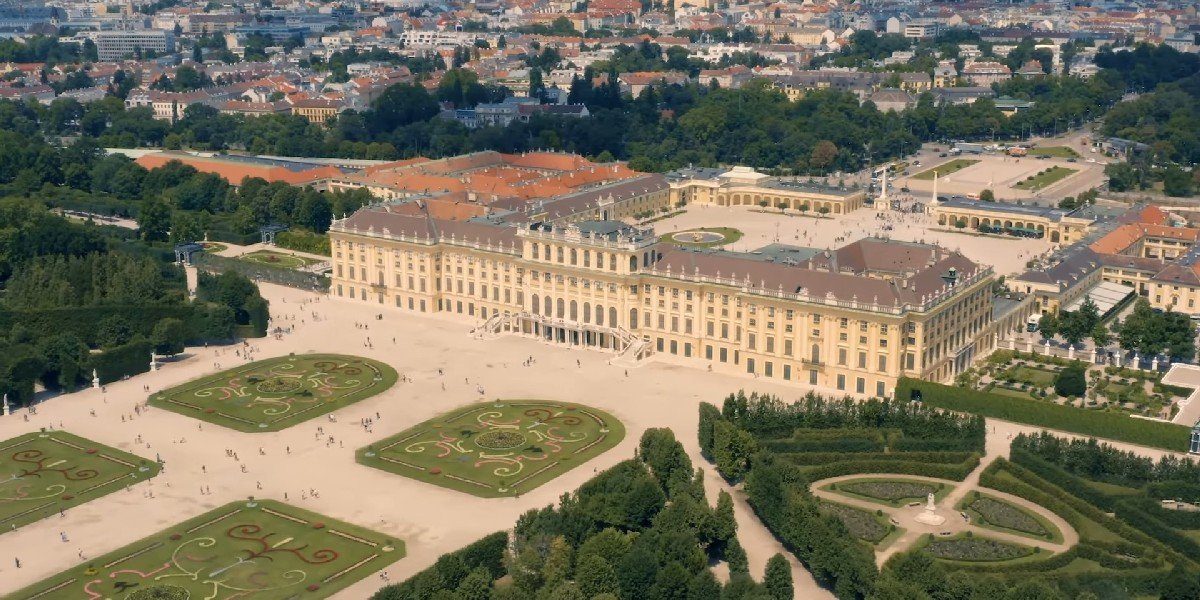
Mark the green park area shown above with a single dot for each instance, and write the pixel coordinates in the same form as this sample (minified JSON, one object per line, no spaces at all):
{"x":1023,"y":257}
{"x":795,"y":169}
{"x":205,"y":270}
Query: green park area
{"x":273,"y":394}
{"x":250,"y":550}
{"x":1044,"y":178}
{"x":1053,"y":152}
{"x":946,"y":168}
{"x":278,"y":259}
{"x":704,"y":237}
{"x":49,"y":472}
{"x":495,"y":449}
{"x":890,"y":492}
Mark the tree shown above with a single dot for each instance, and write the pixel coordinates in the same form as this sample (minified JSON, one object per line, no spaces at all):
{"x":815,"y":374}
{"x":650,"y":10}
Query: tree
{"x":823,"y":154}
{"x":1071,"y":381}
{"x":987,"y":196}
{"x":735,"y":555}
{"x":154,"y":220}
{"x":778,"y":578}
{"x":596,"y":576}
{"x":1177,"y":182}
{"x":1048,"y":325}
{"x":167,"y":336}
{"x":1100,"y":335}
{"x":724,"y":524}
{"x":477,"y":585}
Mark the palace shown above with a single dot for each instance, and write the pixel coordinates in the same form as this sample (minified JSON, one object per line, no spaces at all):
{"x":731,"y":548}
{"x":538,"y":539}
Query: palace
{"x":856,"y":318}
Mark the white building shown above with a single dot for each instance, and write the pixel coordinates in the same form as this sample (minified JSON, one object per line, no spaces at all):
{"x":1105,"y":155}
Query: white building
{"x":114,"y":45}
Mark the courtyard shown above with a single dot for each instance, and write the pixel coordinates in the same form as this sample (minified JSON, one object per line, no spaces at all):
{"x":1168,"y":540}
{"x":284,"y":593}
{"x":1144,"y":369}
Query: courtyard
{"x":269,"y":395}
{"x":760,"y":228}
{"x":500,"y":448}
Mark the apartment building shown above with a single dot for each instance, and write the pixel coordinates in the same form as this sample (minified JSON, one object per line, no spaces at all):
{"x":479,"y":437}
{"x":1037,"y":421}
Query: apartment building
{"x":115,"y":45}
{"x":854,"y":319}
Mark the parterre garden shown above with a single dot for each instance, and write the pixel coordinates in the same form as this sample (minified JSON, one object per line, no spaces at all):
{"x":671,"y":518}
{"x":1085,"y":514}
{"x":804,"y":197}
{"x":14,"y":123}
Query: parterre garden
{"x":864,"y":525}
{"x":278,"y":259}
{"x":994,"y":513}
{"x":46,"y":472}
{"x":501,"y":448}
{"x":892,"y":492}
{"x":276,"y":393}
{"x":252,"y":550}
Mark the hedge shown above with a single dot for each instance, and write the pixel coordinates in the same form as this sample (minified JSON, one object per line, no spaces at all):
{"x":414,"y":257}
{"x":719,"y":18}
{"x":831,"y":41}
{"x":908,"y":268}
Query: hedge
{"x":1114,"y":426}
{"x":1062,"y":478}
{"x":81,"y":320}
{"x":852,"y":466}
{"x":113,"y":364}
{"x":821,"y":458}
{"x":849,"y":445}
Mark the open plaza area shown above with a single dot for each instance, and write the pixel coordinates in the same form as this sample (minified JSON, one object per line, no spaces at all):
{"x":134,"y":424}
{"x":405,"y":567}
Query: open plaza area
{"x":1008,"y":255}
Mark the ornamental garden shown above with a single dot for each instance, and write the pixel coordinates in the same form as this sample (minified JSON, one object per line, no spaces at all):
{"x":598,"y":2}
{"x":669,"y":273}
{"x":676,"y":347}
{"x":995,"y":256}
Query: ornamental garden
{"x":44,"y":473}
{"x":495,"y":449}
{"x":1074,"y":515}
{"x":278,"y":259}
{"x":252,"y":550}
{"x":273,"y":394}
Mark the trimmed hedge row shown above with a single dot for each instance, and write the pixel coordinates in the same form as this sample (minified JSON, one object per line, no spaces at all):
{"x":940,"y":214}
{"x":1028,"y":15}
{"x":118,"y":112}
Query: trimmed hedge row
{"x":115,"y":363}
{"x":1137,"y":516}
{"x":1063,"y":479}
{"x":853,"y":465}
{"x":1115,"y":426}
{"x":81,"y":320}
{"x":821,"y":458}
{"x":909,"y":444}
{"x":850,"y":445}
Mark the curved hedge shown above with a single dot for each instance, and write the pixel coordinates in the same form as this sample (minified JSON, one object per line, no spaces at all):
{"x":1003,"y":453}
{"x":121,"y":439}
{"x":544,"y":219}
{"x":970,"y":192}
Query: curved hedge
{"x":823,"y":458}
{"x":1115,"y":426}
{"x":853,"y":466}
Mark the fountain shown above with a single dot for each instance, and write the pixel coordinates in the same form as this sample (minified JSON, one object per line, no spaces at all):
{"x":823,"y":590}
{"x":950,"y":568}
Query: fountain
{"x":929,"y":516}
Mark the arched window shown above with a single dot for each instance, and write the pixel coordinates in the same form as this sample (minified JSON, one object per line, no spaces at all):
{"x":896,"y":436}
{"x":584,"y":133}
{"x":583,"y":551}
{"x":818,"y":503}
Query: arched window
{"x":537,"y":309}
{"x":632,"y":264}
{"x":561,"y":308}
{"x":612,"y":317}
{"x":587,"y":311}
{"x":816,"y":353}
{"x":574,"y":257}
{"x":574,"y":310}
{"x":535,"y":251}
{"x":633,"y":318}
{"x":546,"y":302}
{"x":599,"y":315}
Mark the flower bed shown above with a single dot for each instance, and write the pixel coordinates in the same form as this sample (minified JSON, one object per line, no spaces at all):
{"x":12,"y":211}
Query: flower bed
{"x":862,"y":524}
{"x":890,"y":491}
{"x":1002,"y":514}
{"x":976,"y":549}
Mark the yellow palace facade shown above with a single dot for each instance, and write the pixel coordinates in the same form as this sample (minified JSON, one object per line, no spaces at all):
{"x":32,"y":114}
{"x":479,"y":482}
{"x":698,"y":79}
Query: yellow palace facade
{"x":853,"y":319}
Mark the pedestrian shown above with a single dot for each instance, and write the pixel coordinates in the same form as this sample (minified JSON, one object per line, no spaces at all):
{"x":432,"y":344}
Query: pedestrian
{"x":18,"y":561}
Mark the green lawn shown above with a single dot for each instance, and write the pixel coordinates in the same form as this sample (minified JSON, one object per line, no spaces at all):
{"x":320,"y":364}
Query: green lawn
{"x":1054,"y":152}
{"x":947,"y":168}
{"x":1034,"y":376}
{"x":697,"y":238}
{"x":1004,"y":391}
{"x":48,"y":472}
{"x":250,"y":550}
{"x":1045,"y":178}
{"x":990,"y":512}
{"x":495,"y":449}
{"x":273,"y":394}
{"x":889,"y":492}
{"x":278,"y":259}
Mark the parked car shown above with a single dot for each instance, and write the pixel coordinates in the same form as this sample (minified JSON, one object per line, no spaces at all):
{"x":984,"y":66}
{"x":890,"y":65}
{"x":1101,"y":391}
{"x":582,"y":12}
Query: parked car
{"x":942,"y":155}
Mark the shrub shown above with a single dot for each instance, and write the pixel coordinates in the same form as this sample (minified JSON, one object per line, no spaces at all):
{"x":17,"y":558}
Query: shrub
{"x":1071,"y":381}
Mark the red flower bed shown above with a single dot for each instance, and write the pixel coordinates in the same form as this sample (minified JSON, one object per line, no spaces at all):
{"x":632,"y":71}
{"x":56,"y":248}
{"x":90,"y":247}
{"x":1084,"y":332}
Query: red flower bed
{"x":90,"y":450}
{"x":210,"y":410}
{"x":312,"y":587}
{"x":175,"y":536}
{"x":68,"y":497}
{"x":435,"y":471}
{"x":318,"y":525}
